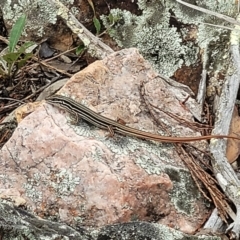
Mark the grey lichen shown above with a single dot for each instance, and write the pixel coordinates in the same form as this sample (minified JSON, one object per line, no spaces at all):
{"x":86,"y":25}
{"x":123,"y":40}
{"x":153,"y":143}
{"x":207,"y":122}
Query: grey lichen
{"x":65,"y":182}
{"x":162,"y":46}
{"x":184,"y":192}
{"x":31,"y":188}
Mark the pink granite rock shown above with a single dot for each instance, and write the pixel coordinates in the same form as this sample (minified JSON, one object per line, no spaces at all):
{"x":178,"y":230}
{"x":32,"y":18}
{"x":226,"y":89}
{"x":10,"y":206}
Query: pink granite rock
{"x":80,"y":176}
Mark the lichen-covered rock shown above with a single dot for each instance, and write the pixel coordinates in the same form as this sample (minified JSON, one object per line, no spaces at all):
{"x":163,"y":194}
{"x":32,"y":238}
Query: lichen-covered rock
{"x":16,"y":223}
{"x":160,"y":33}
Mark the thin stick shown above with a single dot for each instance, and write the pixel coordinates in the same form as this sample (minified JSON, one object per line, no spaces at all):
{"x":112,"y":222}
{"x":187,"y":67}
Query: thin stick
{"x":218,"y":15}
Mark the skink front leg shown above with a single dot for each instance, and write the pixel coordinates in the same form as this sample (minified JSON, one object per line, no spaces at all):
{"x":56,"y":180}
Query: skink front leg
{"x":75,"y":118}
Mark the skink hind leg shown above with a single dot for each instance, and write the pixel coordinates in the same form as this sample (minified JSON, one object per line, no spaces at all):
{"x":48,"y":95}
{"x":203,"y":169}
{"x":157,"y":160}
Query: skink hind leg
{"x":111,"y":131}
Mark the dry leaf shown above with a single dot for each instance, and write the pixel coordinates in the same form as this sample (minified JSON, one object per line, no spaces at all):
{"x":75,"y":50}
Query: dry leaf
{"x":233,"y":145}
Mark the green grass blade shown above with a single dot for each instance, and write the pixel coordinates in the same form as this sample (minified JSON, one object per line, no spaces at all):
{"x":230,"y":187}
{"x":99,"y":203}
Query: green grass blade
{"x":16,"y":32}
{"x":97,"y":25}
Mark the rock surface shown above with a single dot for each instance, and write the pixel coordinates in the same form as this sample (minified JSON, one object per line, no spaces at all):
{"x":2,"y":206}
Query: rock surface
{"x":77,"y":175}
{"x":18,"y":224}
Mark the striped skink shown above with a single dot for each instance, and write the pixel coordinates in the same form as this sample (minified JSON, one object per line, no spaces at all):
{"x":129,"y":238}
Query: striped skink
{"x":112,"y":126}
